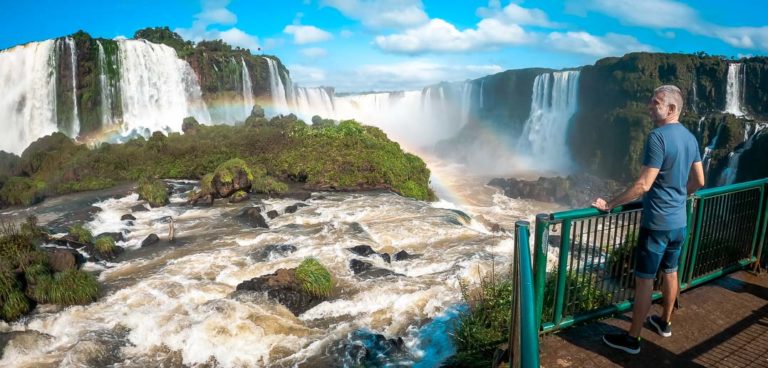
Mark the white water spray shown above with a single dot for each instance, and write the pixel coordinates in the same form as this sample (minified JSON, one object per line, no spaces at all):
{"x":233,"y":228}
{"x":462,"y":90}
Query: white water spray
{"x":553,"y":102}
{"x":248,"y":101}
{"x":74,"y":129}
{"x":106,"y":89}
{"x":734,"y":90}
{"x":277,"y":88}
{"x":158,"y":89}
{"x":28,"y":103}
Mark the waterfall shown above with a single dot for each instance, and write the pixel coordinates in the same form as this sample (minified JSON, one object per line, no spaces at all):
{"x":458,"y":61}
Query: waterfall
{"x":734,"y":90}
{"x":707,"y":159}
{"x":277,"y":88}
{"x":74,"y":129}
{"x":28,"y":103}
{"x":248,"y":101}
{"x":466,"y":101}
{"x":313,"y":101}
{"x":158,"y":89}
{"x":695,"y":101}
{"x":482,"y":82}
{"x":553,"y":102}
{"x":728,"y":176}
{"x":106,"y":89}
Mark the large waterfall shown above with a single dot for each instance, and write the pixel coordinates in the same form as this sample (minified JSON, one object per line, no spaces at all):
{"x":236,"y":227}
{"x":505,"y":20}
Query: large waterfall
{"x":158,"y":89}
{"x":313,"y":101}
{"x":553,"y":102}
{"x":248,"y":101}
{"x":106,"y":89}
{"x":277,"y":88}
{"x":74,"y":129}
{"x":28,"y":103}
{"x":734,"y":90}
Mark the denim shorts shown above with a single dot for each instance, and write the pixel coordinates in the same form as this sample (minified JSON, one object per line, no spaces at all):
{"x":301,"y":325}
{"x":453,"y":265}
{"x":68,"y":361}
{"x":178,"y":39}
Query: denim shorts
{"x":658,"y":249}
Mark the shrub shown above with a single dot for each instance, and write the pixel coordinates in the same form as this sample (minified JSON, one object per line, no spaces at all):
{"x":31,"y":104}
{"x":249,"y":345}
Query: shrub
{"x":71,"y":287}
{"x":620,"y":258}
{"x":314,"y":278}
{"x":154,"y":192}
{"x":582,"y":289}
{"x":80,"y":233}
{"x":15,"y":305}
{"x":486,"y":321}
{"x":17,"y":249}
{"x":22,"y":191}
{"x":226,"y":171}
{"x":268,"y":185}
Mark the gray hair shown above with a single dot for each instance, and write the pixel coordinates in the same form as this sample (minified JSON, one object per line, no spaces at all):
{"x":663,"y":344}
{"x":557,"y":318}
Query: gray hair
{"x":672,"y":96}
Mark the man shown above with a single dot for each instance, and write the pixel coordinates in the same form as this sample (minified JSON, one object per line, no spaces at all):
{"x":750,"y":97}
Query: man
{"x":671,"y":170}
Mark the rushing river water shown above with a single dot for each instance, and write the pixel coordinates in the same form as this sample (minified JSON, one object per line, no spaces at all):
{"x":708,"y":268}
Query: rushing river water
{"x":173,"y":304}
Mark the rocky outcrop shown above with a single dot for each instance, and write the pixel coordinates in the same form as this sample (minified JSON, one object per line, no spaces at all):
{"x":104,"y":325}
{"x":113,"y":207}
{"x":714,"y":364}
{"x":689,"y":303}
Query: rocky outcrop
{"x":151,"y":239}
{"x":283,"y":287}
{"x":574,"y":191}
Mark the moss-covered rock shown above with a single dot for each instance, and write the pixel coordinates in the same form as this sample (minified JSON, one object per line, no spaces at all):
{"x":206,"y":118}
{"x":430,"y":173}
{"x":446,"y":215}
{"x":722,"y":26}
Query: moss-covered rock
{"x":80,"y":234}
{"x":231,"y":176}
{"x":155,"y":192}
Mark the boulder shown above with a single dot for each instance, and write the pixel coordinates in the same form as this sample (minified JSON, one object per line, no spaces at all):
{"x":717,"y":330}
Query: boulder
{"x":190,"y":125}
{"x":61,"y":260}
{"x":239,"y":196}
{"x":139,"y":208}
{"x":252,"y":216}
{"x":403,"y":255}
{"x":273,"y":251}
{"x":283,"y":287}
{"x":152,"y":239}
{"x":577,"y":190}
{"x":272,"y":214}
{"x":368,"y":271}
{"x":127,"y":217}
{"x":230,"y":177}
{"x":294,"y":207}
{"x":362,"y":250}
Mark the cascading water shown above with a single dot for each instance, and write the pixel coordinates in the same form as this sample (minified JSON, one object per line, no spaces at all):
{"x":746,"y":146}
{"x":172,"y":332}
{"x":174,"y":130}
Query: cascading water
{"x":482,"y":83}
{"x":728,"y":176}
{"x":277,"y":88}
{"x":695,"y":102}
{"x":734,"y":90}
{"x":106,"y":89}
{"x":158,"y":89}
{"x":553,"y":102}
{"x":74,"y":129}
{"x":248,"y":101}
{"x":466,"y":102}
{"x":28,"y":103}
{"x":707,"y":158}
{"x":313,"y":101}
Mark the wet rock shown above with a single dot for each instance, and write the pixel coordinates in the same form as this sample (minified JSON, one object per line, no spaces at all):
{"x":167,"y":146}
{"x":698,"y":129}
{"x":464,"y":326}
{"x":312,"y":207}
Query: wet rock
{"x":105,"y":256}
{"x":152,"y":239}
{"x":362,"y":250}
{"x":139,"y":208}
{"x":403,"y":255}
{"x":239,"y":196}
{"x":273,"y":251}
{"x":115,"y":236}
{"x":239,"y":181}
{"x":577,"y":190}
{"x":294,"y":207}
{"x":252,"y":216}
{"x":272,"y":214}
{"x":368,"y":271}
{"x":200,"y":199}
{"x":61,"y":260}
{"x":127,"y":217}
{"x":368,"y":349}
{"x":283,"y":287}
{"x":385,"y":257}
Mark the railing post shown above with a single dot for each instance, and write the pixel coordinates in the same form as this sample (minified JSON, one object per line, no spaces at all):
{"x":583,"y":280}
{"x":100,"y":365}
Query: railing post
{"x":562,"y":271}
{"x":540,"y":245}
{"x":529,"y":336}
{"x":761,"y":243}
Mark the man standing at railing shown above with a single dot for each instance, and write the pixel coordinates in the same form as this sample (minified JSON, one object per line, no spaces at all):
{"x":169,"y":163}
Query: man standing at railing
{"x":671,"y":171}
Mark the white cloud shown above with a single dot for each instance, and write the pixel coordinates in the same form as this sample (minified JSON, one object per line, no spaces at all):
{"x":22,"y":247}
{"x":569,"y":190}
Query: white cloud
{"x":215,"y":13}
{"x":307,"y":75}
{"x":120,"y":37}
{"x":441,"y":36}
{"x":314,"y":52}
{"x":382,"y":13}
{"x":346,"y":33}
{"x":585,"y":43}
{"x":670,"y":14}
{"x":514,"y":13}
{"x":307,"y":34}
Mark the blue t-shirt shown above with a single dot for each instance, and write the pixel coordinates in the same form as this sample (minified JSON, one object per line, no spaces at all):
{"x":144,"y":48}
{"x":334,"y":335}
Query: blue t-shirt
{"x":672,"y":149}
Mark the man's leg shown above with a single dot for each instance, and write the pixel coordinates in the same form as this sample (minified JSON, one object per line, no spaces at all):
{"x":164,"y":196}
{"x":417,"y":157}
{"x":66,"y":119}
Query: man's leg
{"x":669,"y":291}
{"x":643,"y":290}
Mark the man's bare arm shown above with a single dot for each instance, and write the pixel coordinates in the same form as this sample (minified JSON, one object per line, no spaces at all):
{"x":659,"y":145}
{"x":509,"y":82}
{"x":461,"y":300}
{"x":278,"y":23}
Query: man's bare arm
{"x":695,"y":178}
{"x":641,"y":186}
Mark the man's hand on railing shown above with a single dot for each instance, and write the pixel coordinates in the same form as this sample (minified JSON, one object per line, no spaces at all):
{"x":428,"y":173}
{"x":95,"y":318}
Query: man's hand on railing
{"x":601,"y":205}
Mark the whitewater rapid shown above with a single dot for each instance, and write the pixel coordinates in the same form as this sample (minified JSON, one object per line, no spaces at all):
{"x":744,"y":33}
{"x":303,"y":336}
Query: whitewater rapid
{"x":173,"y":304}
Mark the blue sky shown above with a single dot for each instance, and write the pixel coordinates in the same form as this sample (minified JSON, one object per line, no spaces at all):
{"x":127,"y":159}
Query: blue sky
{"x":363,"y":45}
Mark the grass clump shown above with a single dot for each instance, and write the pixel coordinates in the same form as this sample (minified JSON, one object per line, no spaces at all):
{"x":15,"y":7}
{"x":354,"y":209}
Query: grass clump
{"x":105,"y":245}
{"x":314,"y":278}
{"x":226,"y":171}
{"x":80,"y":233}
{"x":154,"y":192}
{"x":71,"y":287}
{"x":268,"y":185}
{"x":15,"y":305}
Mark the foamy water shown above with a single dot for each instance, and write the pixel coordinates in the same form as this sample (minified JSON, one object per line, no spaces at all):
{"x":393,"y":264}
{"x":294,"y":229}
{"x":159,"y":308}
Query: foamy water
{"x":173,"y":304}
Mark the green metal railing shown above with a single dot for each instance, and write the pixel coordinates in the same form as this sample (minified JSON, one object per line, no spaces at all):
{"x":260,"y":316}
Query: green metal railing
{"x":593,"y":275}
{"x":523,"y":332}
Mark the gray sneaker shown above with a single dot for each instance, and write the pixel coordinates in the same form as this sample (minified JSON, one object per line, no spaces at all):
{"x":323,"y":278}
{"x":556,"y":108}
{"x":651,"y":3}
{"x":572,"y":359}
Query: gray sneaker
{"x":663,"y":328}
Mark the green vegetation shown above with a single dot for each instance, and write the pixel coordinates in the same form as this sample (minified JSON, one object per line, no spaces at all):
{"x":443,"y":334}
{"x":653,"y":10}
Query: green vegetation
{"x":314,"y":278}
{"x":105,"y":245}
{"x":164,"y":35}
{"x":227,"y":171}
{"x":348,"y":156}
{"x":80,"y":233}
{"x":22,"y":191}
{"x":155,"y":192}
{"x":620,"y":258}
{"x":582,"y":291}
{"x":486,"y":323}
{"x":21,"y":259}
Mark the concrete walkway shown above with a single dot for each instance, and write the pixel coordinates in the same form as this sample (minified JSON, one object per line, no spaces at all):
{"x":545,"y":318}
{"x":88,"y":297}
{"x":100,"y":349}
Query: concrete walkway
{"x":721,"y":324}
